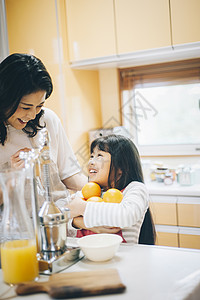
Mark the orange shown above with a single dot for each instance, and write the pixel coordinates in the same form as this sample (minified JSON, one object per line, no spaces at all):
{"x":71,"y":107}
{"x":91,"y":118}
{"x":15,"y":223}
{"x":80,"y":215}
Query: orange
{"x":91,"y":189}
{"x":95,"y":199}
{"x":113,"y":196}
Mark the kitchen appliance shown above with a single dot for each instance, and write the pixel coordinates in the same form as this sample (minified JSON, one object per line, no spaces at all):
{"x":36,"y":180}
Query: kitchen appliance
{"x":160,"y":173}
{"x":53,"y":222}
{"x":186,"y":176}
{"x":120,"y":130}
{"x":50,"y":221}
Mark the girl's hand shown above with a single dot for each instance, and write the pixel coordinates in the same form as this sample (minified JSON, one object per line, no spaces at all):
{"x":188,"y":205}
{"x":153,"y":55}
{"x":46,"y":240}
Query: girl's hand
{"x":16,"y":162}
{"x":105,"y":229}
{"x":77,"y":207}
{"x":79,"y":223}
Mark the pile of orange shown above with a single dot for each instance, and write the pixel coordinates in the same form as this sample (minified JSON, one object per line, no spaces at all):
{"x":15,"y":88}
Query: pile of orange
{"x":92,"y":192}
{"x":113,"y":196}
{"x":91,"y":189}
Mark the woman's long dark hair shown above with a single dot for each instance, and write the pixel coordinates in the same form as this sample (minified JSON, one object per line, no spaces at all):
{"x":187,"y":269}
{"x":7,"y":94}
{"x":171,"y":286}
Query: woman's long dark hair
{"x":21,"y":75}
{"x":125,"y":157}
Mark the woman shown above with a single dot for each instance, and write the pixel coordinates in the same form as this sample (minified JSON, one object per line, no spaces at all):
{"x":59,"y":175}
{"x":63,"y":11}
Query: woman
{"x":25,"y":85}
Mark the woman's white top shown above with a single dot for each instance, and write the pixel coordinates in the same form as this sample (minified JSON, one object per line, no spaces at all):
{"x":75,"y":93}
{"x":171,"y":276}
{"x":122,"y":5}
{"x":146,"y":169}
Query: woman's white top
{"x":128,"y":215}
{"x":60,"y":150}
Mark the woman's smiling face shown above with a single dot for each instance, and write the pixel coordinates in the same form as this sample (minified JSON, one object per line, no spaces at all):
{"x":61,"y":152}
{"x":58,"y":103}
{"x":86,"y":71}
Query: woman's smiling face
{"x":29,"y":106}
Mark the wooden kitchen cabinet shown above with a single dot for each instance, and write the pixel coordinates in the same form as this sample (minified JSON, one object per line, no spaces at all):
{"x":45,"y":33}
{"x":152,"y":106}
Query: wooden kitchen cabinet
{"x":142,"y":25}
{"x":90,"y":26}
{"x":189,"y":241}
{"x":188,"y":209}
{"x":131,"y":32}
{"x":189,"y":237}
{"x":163,"y":209}
{"x":167,"y":239}
{"x":103,"y":28}
{"x":185,"y":15}
{"x":167,"y":235}
{"x":176,"y":215}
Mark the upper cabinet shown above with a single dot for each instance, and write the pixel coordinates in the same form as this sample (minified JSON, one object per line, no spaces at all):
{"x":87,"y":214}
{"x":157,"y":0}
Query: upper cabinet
{"x":185,"y":21}
{"x":142,"y":24}
{"x":132,"y":31}
{"x":91,"y":30}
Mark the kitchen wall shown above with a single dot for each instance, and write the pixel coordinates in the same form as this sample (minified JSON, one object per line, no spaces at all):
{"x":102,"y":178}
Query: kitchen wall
{"x":110,"y":99}
{"x":39,"y":27}
{"x":83,"y":99}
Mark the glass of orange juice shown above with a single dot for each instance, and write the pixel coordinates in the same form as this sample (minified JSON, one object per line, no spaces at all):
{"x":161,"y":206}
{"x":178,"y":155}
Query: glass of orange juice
{"x":18,"y":244}
{"x":19,"y":261}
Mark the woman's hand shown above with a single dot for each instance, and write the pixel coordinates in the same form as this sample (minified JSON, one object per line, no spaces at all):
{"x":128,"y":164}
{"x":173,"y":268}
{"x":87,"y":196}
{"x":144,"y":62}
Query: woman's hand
{"x":79,"y":223}
{"x":16,"y":161}
{"x":75,"y":182}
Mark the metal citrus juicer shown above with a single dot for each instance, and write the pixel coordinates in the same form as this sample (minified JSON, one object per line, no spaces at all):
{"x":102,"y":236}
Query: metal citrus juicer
{"x":50,"y":222}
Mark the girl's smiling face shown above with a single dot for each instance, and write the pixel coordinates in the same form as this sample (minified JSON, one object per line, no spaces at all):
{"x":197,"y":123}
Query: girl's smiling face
{"x":99,"y":167}
{"x":29,"y":106}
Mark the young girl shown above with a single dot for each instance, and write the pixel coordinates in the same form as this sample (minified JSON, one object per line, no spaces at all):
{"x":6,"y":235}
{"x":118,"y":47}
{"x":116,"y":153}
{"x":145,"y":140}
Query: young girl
{"x":115,"y":163}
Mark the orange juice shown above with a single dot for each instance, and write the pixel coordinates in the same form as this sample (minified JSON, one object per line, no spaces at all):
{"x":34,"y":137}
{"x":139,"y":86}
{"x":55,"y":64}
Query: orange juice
{"x":19,"y":261}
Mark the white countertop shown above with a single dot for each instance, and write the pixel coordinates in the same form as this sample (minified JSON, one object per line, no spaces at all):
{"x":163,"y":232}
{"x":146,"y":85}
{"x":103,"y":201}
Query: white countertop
{"x":159,"y":188}
{"x":149,"y":272}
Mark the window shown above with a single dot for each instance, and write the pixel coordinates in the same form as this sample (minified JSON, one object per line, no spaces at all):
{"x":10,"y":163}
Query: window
{"x":160,"y":107}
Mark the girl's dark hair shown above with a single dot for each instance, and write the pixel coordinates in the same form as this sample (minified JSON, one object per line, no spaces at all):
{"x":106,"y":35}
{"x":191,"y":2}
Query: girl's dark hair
{"x":125,"y":157}
{"x":21,"y":75}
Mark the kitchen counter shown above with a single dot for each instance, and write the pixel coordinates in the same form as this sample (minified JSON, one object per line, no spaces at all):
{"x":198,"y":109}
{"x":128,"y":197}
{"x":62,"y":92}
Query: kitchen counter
{"x":157,"y":188}
{"x":149,"y":272}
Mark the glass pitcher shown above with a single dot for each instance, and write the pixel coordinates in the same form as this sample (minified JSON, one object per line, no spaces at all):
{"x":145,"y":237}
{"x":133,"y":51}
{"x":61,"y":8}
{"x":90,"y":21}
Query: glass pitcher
{"x":18,"y":248}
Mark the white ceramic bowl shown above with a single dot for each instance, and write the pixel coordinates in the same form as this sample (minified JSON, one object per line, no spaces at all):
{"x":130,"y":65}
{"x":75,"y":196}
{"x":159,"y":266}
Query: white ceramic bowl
{"x":99,"y":247}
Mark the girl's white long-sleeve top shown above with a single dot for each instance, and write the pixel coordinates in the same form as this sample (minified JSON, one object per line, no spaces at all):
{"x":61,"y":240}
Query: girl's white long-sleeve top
{"x":128,"y":215}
